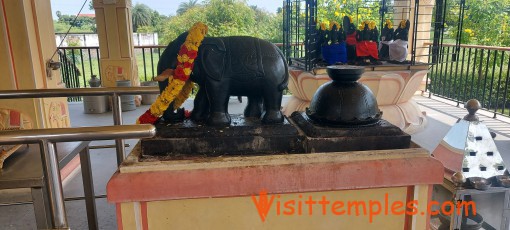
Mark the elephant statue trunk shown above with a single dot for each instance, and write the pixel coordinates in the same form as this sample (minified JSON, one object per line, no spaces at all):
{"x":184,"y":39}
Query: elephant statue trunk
{"x":233,"y":66}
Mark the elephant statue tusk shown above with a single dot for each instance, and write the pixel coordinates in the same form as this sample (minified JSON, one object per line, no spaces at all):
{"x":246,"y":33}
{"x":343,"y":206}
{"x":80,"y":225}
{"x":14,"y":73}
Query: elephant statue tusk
{"x":167,"y":74}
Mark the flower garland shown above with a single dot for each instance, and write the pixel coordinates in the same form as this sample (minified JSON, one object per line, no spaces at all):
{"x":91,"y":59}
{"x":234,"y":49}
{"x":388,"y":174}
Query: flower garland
{"x":371,"y":25}
{"x":403,"y":24}
{"x":333,"y":23}
{"x":389,"y":24}
{"x":323,"y":26}
{"x":179,"y":87}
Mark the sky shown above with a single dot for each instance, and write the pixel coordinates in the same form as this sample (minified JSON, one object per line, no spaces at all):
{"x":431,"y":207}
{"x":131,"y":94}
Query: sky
{"x":164,"y":7}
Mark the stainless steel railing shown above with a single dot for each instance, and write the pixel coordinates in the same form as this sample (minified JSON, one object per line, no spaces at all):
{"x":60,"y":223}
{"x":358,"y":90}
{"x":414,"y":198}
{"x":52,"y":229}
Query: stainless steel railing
{"x":115,"y":92}
{"x":47,"y":138}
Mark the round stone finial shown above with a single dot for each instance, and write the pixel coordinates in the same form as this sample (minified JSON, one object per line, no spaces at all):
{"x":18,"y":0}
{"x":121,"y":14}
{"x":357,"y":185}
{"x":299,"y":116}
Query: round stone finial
{"x":458,"y":179}
{"x":472,"y":106}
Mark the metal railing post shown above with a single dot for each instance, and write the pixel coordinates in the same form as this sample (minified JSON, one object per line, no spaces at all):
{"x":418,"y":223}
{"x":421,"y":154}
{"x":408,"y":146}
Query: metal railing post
{"x":115,"y":92}
{"x":46,"y":138}
{"x":53,"y":186}
{"x":117,"y":120}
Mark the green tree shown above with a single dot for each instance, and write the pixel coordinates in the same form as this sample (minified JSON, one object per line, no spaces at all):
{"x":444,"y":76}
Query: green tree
{"x":80,"y":25}
{"x":141,"y":16}
{"x":185,"y":6}
{"x":176,"y":25}
{"x":359,"y":10}
{"x":229,"y":17}
{"x":485,"y":22}
{"x":226,"y":18}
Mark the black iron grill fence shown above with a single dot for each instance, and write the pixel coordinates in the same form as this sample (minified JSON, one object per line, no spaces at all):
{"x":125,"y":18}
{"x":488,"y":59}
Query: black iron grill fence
{"x":80,"y":63}
{"x":471,"y":71}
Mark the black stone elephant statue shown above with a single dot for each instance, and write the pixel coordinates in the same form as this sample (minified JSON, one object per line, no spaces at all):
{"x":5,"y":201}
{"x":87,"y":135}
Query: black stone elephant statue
{"x":233,"y":66}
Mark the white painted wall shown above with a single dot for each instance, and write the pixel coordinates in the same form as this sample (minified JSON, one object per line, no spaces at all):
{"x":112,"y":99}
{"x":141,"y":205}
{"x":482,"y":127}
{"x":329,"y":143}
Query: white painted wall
{"x":139,"y":39}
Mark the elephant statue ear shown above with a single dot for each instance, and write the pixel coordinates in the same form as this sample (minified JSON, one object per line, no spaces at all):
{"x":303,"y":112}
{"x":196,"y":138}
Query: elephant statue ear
{"x":212,"y":56}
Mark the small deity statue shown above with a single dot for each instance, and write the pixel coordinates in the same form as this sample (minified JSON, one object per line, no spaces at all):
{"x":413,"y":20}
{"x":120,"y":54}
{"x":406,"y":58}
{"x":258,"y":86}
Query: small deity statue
{"x":334,"y":50}
{"x":374,"y":33}
{"x":398,"y":48}
{"x":322,"y":40}
{"x":350,"y":40}
{"x":363,"y":33}
{"x":333,"y":34}
{"x":366,"y":46}
{"x":386,"y":39}
{"x":336,"y":33}
{"x":322,"y":35}
{"x":341,"y":34}
{"x":402,"y":32}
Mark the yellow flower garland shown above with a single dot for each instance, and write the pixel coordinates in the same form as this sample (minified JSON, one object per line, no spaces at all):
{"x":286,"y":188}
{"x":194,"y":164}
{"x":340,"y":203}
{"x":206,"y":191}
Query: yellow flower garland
{"x":332,"y":23}
{"x":323,"y":26}
{"x":179,"y":87}
{"x":185,"y":92}
{"x":371,"y":25}
{"x":389,"y":24}
{"x":403,"y":24}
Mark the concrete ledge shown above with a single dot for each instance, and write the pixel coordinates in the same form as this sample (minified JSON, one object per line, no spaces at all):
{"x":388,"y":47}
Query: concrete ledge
{"x":242,"y":176}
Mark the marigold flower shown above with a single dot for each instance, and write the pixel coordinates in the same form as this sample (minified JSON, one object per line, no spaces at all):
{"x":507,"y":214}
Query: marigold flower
{"x":187,"y":71}
{"x":179,"y":73}
{"x":178,"y":89}
{"x":332,"y":23}
{"x":187,"y":65}
{"x":323,"y":26}
{"x":389,"y":24}
{"x":192,"y":54}
{"x":184,"y":58}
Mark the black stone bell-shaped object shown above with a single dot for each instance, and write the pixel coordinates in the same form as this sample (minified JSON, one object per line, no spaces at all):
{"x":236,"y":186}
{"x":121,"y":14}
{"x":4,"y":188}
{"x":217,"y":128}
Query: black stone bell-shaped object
{"x":344,"y":101}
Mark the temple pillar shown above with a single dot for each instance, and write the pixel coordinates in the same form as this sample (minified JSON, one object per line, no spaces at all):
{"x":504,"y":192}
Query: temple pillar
{"x":27,"y":44}
{"x":114,"y":29}
{"x":425,"y":12}
{"x":406,"y":10}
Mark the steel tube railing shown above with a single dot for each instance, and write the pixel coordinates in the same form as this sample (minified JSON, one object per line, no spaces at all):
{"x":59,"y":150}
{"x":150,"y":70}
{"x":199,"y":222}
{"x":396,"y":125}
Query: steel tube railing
{"x":47,"y":139}
{"x":30,"y":136}
{"x":114,"y":92}
{"x":94,"y":91}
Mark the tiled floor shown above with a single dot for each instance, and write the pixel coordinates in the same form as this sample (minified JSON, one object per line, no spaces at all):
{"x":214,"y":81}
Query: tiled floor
{"x":441,"y":115}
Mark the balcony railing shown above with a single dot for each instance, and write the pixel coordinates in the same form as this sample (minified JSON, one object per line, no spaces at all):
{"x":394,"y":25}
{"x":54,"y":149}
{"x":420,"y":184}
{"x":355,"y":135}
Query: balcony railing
{"x":472,"y":71}
{"x":80,"y":63}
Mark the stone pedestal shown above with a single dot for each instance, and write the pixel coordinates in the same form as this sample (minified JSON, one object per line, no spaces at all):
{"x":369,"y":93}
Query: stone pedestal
{"x":224,"y":192}
{"x":296,"y":175}
{"x":247,"y":136}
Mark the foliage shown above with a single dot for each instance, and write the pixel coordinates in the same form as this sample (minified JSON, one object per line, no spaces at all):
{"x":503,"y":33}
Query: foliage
{"x":226,"y":18}
{"x":359,"y":10}
{"x":141,"y":16}
{"x":485,"y":22}
{"x":82,"y":24}
{"x":81,"y":21}
{"x":185,"y":6}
